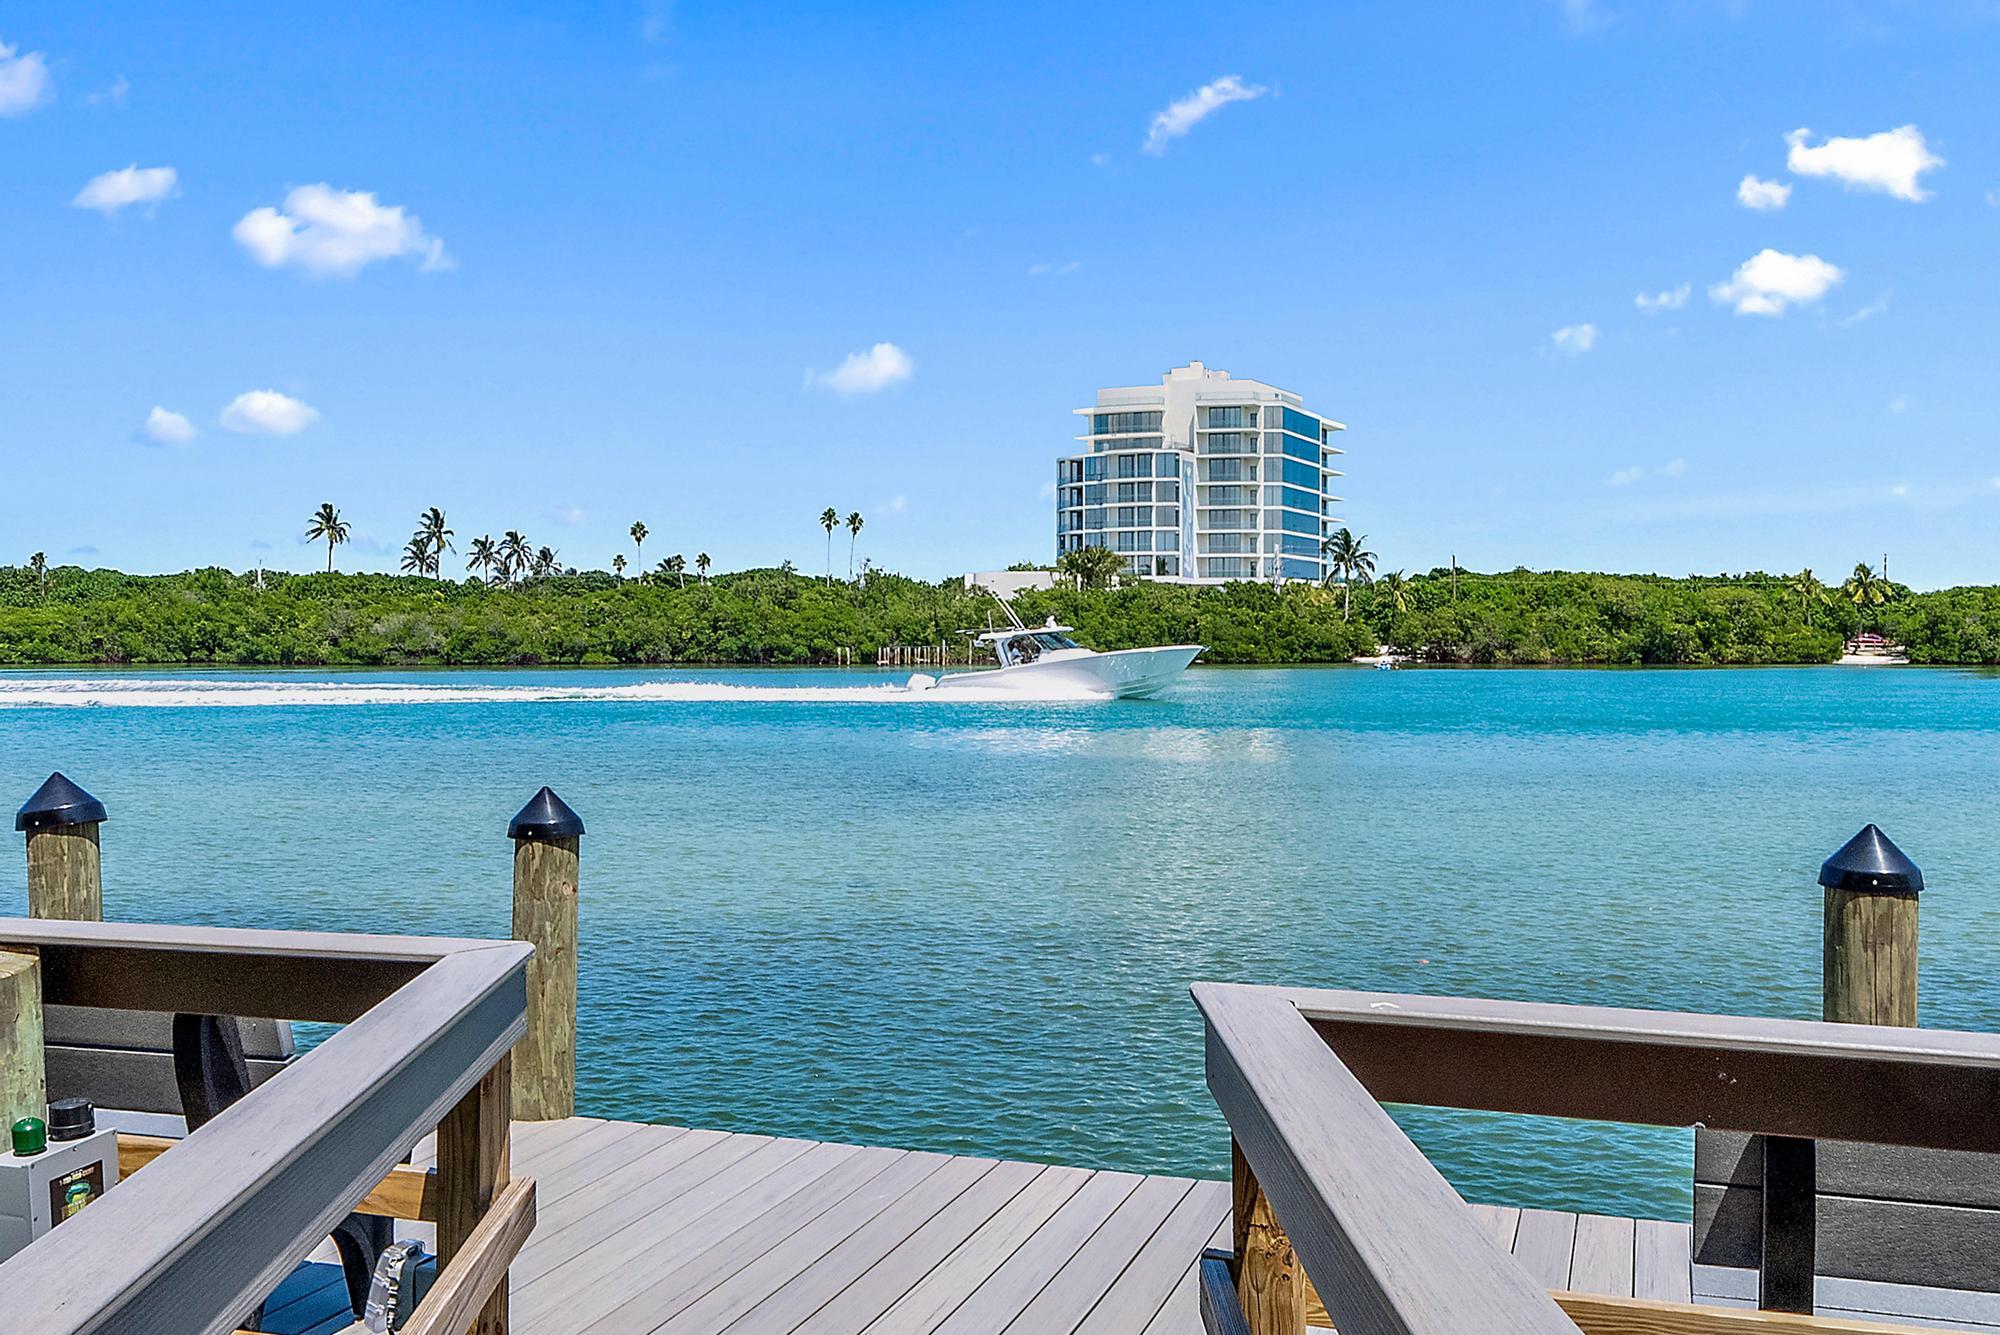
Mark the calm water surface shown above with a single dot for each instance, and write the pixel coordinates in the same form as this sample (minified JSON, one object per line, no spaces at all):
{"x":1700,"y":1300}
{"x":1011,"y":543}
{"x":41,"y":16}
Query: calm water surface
{"x":971,"y":927}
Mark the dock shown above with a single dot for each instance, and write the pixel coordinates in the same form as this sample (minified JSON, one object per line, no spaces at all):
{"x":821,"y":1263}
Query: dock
{"x":648,"y":1228}
{"x":1841,"y":1176}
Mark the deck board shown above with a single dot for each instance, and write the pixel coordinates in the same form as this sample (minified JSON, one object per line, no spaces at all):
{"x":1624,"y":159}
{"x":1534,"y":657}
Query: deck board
{"x":663,"y":1230}
{"x":1544,"y":1244}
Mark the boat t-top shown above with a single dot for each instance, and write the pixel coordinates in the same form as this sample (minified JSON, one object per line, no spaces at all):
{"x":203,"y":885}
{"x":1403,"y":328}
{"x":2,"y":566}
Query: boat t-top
{"x":1043,"y":660}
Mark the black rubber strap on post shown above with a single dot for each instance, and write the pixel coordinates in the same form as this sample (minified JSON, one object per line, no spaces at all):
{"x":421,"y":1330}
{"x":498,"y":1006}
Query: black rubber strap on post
{"x":1785,"y":1275}
{"x":208,"y":1066}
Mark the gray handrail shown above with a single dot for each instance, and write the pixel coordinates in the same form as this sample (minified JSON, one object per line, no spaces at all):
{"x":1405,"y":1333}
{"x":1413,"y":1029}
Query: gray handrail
{"x":1388,"y":1244}
{"x":1300,"y":1074}
{"x":210,"y":1227}
{"x":1931,"y":1088}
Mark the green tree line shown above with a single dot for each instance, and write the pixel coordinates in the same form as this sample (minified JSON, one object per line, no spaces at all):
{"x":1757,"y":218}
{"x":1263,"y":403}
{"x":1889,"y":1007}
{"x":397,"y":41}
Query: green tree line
{"x":67,"y":615}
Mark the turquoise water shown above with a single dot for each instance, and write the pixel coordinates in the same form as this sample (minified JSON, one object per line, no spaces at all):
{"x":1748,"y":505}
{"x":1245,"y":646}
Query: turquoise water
{"x":826,"y":911}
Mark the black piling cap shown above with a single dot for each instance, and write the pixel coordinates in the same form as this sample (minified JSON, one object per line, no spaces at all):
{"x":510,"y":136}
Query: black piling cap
{"x":1869,"y":861}
{"x":58,"y":803}
{"x":545,"y":817}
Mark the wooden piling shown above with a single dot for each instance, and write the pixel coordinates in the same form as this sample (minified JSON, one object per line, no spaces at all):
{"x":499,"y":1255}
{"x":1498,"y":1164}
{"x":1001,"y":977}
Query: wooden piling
{"x":65,"y":863}
{"x":1270,"y":1282}
{"x":1868,"y":955}
{"x":474,"y":1154}
{"x":1869,"y":941}
{"x":23,"y":1083}
{"x":547,"y":864}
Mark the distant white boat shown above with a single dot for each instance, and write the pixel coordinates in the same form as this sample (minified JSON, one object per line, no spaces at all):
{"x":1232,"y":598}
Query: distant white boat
{"x":1043,"y":661}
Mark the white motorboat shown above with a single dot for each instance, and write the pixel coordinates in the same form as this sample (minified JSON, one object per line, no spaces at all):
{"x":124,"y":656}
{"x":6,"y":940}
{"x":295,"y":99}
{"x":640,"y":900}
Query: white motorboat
{"x":1043,"y":661}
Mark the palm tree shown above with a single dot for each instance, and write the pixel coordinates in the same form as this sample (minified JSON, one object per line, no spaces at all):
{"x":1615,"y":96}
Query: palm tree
{"x":1809,"y":590}
{"x":701,"y":564}
{"x":853,"y":532}
{"x":677,"y":567}
{"x":618,"y":565}
{"x":417,"y":556}
{"x":484,"y":556}
{"x":516,"y":556}
{"x":39,"y":563}
{"x":1865,"y":589}
{"x":1397,"y":590}
{"x":1344,"y":552}
{"x":327,"y":524}
{"x":829,"y":520}
{"x":546,"y":563}
{"x":639,"y":545}
{"x":436,"y":536}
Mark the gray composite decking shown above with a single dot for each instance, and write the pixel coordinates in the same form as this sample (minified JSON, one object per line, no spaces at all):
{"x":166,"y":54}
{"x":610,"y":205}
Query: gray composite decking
{"x":647,"y":1229}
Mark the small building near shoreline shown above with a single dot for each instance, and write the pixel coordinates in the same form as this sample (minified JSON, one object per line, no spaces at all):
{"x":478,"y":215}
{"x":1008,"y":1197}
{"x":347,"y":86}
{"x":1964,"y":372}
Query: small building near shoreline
{"x":1007,"y":583}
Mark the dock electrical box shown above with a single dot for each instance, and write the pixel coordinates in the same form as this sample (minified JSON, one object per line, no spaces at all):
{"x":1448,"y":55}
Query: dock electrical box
{"x":56,"y":1169}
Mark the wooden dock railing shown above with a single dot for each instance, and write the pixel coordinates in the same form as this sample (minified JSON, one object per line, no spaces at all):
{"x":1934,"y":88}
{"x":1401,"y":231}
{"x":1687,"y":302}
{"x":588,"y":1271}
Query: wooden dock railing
{"x":213,"y":1222}
{"x":1327,"y":1178}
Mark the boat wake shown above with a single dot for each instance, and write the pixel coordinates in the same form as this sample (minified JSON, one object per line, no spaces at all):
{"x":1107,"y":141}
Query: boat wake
{"x":179,"y":693}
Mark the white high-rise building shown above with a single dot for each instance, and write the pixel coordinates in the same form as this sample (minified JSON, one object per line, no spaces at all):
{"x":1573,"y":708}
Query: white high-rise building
{"x":1201,"y":479}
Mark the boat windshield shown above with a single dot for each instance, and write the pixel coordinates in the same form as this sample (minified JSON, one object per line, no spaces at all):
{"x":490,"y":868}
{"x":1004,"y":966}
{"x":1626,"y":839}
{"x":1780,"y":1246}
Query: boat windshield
{"x":1028,"y":647}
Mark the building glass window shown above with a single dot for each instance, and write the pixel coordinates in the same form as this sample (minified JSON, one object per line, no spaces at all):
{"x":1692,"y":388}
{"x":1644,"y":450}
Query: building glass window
{"x":1124,"y":423}
{"x":1293,"y":496}
{"x":1229,"y":442}
{"x":1299,"y":475}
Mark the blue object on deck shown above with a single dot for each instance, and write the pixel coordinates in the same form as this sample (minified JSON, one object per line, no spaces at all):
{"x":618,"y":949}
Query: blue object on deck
{"x":57,"y":803}
{"x":1870,"y":861}
{"x":545,"y":817}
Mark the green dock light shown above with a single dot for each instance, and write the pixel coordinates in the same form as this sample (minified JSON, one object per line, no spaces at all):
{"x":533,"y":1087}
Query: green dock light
{"x":31,"y":1137}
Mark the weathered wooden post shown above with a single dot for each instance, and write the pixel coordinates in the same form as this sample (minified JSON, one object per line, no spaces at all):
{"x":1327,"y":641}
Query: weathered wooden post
{"x":1869,"y":948}
{"x":546,"y":835}
{"x":1270,"y":1282}
{"x":23,"y":1082}
{"x":65,"y":870}
{"x":1868,"y":954}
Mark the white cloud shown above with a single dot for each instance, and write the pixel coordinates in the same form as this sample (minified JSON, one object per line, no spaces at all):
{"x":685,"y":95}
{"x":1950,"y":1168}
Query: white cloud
{"x":1868,"y":312}
{"x":896,"y":505}
{"x":1100,"y":159}
{"x":1753,"y":192}
{"x":566,"y":514}
{"x":1770,"y":281}
{"x":114,"y":96}
{"x":1900,"y":404}
{"x":1187,"y":112}
{"x":1625,"y":477}
{"x":24,"y":81}
{"x":1889,"y":162}
{"x":336,"y":233}
{"x":1575,"y":339}
{"x":1993,"y":199}
{"x":119,"y":189}
{"x":1670,"y":300}
{"x":1037,"y":270}
{"x":266,"y":412}
{"x":168,"y":427}
{"x":1582,"y":15}
{"x":866,"y":372}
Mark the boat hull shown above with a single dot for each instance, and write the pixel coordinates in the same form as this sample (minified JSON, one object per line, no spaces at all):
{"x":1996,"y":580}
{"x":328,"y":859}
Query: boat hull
{"x":1126,"y":674}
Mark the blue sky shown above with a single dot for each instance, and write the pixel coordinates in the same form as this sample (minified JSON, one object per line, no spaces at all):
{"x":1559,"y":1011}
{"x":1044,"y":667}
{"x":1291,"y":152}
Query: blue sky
{"x":611,"y":260}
